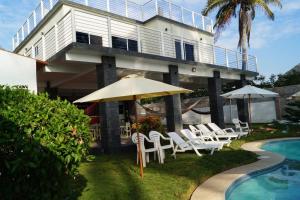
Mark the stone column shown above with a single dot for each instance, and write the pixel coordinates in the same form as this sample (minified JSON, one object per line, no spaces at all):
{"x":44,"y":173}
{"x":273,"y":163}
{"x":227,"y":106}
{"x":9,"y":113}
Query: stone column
{"x":173,"y":102}
{"x":109,"y":112}
{"x":242,"y":104}
{"x":215,"y":100}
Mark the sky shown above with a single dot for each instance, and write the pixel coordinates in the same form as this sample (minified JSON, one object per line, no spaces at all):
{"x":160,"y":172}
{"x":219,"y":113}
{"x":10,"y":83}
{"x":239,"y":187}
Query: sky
{"x":275,"y":43}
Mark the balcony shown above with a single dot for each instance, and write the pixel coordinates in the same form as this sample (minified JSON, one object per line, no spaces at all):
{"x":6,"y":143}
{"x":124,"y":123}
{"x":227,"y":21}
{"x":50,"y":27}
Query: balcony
{"x":147,"y":40}
{"x":124,"y":8}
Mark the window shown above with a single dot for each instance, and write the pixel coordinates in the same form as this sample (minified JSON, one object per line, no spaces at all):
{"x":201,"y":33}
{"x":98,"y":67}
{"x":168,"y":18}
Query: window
{"x":95,"y":40}
{"x":36,"y":50}
{"x":82,"y":37}
{"x":189,"y":52}
{"x":88,"y":39}
{"x":125,"y":44}
{"x":119,"y":43}
{"x":132,"y":45}
{"x":178,"y":49}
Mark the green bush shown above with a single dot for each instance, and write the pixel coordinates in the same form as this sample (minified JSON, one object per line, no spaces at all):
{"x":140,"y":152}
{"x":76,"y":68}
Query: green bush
{"x":42,"y":143}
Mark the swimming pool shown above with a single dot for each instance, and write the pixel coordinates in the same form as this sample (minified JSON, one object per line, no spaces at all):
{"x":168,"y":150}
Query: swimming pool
{"x":281,"y":182}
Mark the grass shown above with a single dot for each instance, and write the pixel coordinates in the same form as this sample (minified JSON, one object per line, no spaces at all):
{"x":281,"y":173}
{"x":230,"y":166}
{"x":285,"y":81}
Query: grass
{"x":117,"y":177}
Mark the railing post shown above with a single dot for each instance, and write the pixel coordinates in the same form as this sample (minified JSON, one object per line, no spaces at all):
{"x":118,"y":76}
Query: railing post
{"x":32,"y":51}
{"x":256,"y":67}
{"x":211,"y":25}
{"x":108,"y":5}
{"x":86,"y":2}
{"x":42,"y":9}
{"x":162,"y":43}
{"x":34,"y":18}
{"x":51,"y":3}
{"x":13,"y":43}
{"x":23,"y":35}
{"x":182,"y":17}
{"x":237,"y":60}
{"x":170,"y":9}
{"x":199,"y":52}
{"x":156,"y":7}
{"x":139,"y":39}
{"x":226,"y":56}
{"x":18,"y":38}
{"x":126,"y":8}
{"x":28,"y":27}
{"x":193,"y":18}
{"x":203,"y":22}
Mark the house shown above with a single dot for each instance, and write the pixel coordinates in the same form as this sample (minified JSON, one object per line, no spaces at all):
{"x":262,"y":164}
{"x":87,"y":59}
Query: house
{"x":18,"y":70}
{"x":89,"y":44}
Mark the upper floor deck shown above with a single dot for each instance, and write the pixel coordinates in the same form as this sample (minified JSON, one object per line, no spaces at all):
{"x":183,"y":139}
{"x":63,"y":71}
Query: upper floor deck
{"x":141,"y":31}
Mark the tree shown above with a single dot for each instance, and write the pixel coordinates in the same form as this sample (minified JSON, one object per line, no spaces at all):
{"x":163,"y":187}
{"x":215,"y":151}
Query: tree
{"x":247,"y":9}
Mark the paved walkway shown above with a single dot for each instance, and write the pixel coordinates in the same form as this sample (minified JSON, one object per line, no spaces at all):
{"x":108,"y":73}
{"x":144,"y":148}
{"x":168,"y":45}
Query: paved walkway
{"x":215,"y":187}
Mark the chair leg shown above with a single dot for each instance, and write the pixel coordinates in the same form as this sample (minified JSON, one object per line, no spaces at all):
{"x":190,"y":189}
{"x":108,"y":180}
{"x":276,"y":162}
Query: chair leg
{"x":144,"y":159}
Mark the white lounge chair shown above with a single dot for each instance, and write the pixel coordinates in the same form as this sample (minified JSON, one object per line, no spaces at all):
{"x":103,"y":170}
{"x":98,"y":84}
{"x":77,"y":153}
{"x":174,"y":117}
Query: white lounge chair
{"x":210,"y":135}
{"x":145,"y":151}
{"x":200,"y":140}
{"x":226,"y":131}
{"x":219,"y":136}
{"x":156,"y":138}
{"x":241,"y":127}
{"x":183,"y":146}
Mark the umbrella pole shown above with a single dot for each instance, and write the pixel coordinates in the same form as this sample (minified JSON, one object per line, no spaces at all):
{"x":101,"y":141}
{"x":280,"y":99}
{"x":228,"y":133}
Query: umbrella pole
{"x":139,"y":142}
{"x":249,"y":112}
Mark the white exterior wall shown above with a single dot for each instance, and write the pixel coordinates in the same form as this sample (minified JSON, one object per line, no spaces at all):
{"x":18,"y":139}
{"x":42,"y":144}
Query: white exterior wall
{"x":17,"y":70}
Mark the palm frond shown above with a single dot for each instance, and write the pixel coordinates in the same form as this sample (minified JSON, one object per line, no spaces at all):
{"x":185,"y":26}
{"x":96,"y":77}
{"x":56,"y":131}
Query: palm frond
{"x":274,"y":2}
{"x":265,"y":7}
{"x":213,"y":4}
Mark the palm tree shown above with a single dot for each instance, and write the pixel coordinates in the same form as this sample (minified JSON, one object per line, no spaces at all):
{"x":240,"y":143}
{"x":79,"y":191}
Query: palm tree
{"x":247,"y":8}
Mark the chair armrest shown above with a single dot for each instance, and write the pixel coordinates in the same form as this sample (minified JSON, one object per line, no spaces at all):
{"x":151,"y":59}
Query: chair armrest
{"x":229,"y":130}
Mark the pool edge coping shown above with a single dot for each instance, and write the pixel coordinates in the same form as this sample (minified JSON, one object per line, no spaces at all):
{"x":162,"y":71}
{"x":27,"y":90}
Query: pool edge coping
{"x":216,"y":186}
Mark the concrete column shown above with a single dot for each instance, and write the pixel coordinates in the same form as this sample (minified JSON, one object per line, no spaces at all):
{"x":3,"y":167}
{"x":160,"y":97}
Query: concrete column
{"x":215,"y":100}
{"x":109,"y":112}
{"x":173,"y":102}
{"x":242,"y":104}
{"x":278,"y":108}
{"x":52,"y":92}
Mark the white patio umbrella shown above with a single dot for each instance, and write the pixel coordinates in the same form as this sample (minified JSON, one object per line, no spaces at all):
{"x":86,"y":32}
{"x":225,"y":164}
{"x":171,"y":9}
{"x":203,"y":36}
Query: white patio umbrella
{"x":133,"y":87}
{"x":249,"y":92}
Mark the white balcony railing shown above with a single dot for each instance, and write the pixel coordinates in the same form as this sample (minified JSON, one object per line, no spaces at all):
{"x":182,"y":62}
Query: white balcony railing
{"x":150,"y":41}
{"x":127,"y":8}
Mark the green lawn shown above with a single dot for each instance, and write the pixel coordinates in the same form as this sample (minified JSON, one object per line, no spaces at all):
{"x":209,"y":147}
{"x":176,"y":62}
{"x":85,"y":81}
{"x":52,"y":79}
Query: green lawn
{"x":117,"y":177}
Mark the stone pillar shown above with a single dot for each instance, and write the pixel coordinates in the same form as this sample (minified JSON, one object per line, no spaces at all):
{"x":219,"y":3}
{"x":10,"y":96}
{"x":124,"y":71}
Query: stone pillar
{"x":215,"y":100}
{"x":242,"y":104}
{"x":109,"y":112}
{"x":278,"y":108}
{"x":173,"y":102}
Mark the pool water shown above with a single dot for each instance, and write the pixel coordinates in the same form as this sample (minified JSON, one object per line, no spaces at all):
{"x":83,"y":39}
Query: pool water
{"x":281,"y":182}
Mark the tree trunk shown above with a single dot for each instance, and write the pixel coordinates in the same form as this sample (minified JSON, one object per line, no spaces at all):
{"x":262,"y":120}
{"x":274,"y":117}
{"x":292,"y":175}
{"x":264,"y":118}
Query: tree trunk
{"x":244,"y":50}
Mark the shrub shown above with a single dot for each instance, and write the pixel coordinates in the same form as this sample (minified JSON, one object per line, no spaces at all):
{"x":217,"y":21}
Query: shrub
{"x":42,"y":142}
{"x":293,"y":111}
{"x":148,"y":124}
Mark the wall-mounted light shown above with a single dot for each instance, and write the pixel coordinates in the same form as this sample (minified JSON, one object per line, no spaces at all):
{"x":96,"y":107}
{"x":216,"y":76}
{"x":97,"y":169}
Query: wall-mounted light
{"x":201,"y":39}
{"x":194,"y":69}
{"x":166,"y":29}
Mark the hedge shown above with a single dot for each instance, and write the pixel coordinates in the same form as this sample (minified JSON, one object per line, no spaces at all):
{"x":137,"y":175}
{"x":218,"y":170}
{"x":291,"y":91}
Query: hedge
{"x":42,"y":143}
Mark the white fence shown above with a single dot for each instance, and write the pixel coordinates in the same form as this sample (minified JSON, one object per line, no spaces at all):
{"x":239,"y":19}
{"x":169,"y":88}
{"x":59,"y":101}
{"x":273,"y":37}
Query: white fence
{"x":127,"y":8}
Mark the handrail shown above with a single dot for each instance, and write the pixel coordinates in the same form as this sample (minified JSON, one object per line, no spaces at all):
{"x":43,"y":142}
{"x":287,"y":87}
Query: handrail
{"x":137,"y":13}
